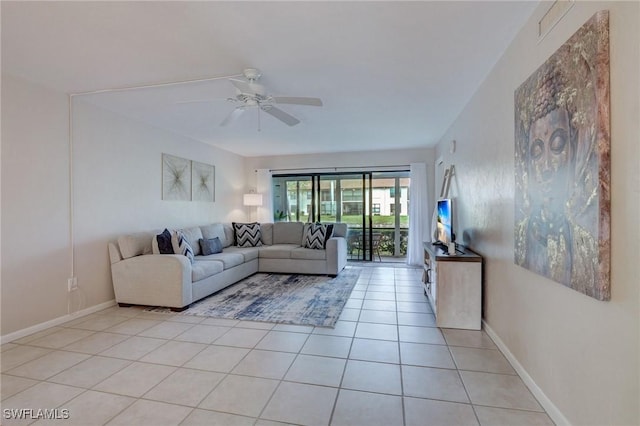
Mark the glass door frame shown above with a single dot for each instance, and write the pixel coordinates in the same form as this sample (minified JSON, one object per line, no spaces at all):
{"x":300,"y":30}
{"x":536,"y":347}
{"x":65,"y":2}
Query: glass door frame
{"x":363,"y":245}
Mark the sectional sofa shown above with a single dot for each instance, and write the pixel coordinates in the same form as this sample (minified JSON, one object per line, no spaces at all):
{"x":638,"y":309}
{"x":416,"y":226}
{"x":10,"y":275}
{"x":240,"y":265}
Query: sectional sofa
{"x":173,"y":280}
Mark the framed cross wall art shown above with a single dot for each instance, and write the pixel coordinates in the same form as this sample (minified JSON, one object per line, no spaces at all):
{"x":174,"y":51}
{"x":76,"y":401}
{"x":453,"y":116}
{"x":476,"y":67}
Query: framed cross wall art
{"x":187,"y":180}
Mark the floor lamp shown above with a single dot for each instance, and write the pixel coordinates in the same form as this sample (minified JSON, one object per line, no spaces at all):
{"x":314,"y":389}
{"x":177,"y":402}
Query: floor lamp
{"x":252,"y":199}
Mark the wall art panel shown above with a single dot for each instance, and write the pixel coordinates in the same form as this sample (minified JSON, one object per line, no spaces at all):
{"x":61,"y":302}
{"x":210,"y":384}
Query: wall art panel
{"x":176,"y":178}
{"x":202,"y":182}
{"x":562,"y":164}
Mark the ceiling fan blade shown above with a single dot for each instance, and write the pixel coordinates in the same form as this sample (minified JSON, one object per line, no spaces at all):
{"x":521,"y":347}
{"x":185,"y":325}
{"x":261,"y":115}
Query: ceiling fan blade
{"x":233,"y":116}
{"x":242,"y":86}
{"x":297,"y":100}
{"x":197,"y":101}
{"x":280,"y":115}
{"x":248,"y":87}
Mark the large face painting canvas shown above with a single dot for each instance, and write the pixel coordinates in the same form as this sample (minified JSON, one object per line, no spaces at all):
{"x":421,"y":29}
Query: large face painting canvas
{"x":562,"y":164}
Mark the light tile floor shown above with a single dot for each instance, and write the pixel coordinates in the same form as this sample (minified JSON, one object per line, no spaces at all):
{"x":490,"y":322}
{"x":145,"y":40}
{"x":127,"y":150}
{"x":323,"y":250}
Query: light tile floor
{"x":385,"y":363}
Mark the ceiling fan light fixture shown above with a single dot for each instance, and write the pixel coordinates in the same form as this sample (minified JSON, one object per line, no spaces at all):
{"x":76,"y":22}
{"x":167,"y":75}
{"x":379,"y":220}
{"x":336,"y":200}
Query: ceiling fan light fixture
{"x":251,"y":94}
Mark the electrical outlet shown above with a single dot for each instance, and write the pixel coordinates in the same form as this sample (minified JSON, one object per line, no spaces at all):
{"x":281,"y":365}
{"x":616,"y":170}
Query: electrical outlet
{"x":72,"y":284}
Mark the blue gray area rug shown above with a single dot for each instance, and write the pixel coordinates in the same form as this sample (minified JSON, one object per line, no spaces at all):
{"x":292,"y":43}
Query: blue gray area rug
{"x":282,"y":298}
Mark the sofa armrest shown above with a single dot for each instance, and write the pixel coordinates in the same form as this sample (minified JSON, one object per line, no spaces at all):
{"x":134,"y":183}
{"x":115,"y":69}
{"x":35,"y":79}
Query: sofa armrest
{"x":153,"y":279}
{"x":336,"y":255}
{"x":114,"y":253}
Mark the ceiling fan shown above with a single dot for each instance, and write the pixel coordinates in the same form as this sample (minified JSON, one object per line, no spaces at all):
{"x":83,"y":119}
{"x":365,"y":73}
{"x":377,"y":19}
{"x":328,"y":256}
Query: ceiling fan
{"x":251,"y":94}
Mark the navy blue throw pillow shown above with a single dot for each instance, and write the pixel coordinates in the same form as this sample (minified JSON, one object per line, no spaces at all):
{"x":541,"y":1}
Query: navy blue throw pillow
{"x":329,"y":234}
{"x":164,"y":242}
{"x":210,"y":246}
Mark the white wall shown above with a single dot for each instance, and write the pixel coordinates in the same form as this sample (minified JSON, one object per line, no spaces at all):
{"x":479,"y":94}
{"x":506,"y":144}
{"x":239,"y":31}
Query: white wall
{"x":116,"y":165}
{"x":117,"y":175}
{"x":581,"y":353}
{"x":342,"y":159}
{"x":35,"y":204}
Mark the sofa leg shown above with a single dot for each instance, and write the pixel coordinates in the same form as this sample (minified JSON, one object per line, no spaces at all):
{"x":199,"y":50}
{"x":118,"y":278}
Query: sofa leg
{"x":125,"y":305}
{"x":179,"y":309}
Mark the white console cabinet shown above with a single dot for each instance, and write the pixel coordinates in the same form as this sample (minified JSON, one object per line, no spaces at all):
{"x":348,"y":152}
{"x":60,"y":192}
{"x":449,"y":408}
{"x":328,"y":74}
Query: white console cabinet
{"x":453,"y":284}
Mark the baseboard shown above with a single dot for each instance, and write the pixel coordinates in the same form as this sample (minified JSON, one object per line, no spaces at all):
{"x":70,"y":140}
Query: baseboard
{"x":57,"y":321}
{"x":551,"y":409}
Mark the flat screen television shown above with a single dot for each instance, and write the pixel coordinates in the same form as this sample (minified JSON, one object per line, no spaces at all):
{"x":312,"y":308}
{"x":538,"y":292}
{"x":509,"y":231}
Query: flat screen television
{"x":444,"y":224}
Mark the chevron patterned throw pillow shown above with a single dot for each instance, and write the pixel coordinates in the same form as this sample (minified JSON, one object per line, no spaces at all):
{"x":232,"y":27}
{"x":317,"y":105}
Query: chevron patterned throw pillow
{"x":247,"y":234}
{"x":315,"y":236}
{"x":181,"y":245}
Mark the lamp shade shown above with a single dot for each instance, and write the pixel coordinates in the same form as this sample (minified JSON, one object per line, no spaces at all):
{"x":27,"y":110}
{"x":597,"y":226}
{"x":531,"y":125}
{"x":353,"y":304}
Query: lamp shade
{"x":253,"y":199}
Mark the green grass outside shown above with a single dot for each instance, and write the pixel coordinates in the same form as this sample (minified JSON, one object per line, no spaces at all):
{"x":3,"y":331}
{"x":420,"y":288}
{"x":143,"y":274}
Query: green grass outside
{"x":378,"y":221}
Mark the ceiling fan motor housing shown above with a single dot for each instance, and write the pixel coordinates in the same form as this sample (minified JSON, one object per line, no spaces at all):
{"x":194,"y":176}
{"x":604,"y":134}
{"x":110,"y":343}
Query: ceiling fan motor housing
{"x":252,"y":74}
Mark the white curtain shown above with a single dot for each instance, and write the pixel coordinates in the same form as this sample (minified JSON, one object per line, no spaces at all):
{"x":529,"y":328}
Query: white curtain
{"x":264,"y":186}
{"x":419,"y":215}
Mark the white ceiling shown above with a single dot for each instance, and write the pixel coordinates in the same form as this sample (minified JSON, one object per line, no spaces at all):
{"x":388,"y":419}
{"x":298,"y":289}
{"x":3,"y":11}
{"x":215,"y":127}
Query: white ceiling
{"x":391,"y":74}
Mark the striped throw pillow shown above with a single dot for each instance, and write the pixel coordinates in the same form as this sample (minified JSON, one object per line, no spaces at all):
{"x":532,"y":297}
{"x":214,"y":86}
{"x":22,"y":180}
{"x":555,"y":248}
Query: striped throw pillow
{"x":181,"y":245}
{"x":315,"y":236}
{"x":247,"y":234}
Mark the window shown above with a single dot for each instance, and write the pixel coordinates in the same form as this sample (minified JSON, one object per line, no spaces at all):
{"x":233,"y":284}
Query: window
{"x":352,"y":208}
{"x":352,"y":194}
{"x":376,"y":209}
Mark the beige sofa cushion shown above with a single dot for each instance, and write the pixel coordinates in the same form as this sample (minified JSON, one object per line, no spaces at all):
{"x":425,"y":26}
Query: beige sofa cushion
{"x":203,"y":269}
{"x":228,"y":259}
{"x":287,"y":233}
{"x":340,"y":230}
{"x":249,"y":253}
{"x":278,"y":251}
{"x":214,"y":230}
{"x":266,"y":230}
{"x":229,"y":235}
{"x":136,"y":244}
{"x":308,"y":254}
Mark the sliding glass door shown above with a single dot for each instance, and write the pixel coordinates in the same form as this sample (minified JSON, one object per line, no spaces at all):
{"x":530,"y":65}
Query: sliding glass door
{"x":293,"y":199}
{"x":373,"y":204}
{"x":344,"y":198}
{"x":390,"y":211}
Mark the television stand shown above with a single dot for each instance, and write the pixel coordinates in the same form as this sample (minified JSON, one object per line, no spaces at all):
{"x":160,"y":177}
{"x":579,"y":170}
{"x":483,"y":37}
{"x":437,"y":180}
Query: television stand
{"x":453,"y":285}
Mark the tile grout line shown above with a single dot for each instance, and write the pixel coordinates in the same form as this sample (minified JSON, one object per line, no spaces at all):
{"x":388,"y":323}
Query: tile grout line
{"x":239,"y":325}
{"x":402,"y":396}
{"x":346,"y":363}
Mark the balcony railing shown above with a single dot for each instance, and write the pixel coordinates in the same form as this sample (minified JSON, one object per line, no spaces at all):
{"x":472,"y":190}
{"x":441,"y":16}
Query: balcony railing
{"x":386,"y":247}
